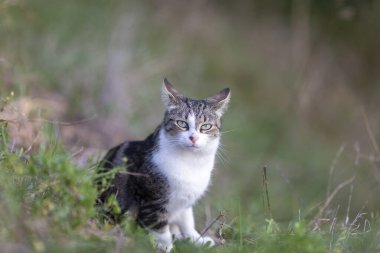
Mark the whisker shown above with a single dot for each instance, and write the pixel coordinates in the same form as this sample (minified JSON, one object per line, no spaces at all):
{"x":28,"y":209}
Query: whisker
{"x":229,"y":131}
{"x":222,"y":145}
{"x":222,"y":154}
{"x":222,"y":158}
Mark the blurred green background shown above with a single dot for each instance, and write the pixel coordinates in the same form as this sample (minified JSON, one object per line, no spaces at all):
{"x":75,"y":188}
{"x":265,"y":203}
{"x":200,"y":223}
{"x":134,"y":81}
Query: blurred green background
{"x":304,"y":76}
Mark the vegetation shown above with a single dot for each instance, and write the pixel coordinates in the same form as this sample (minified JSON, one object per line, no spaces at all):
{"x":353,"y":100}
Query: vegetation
{"x":77,"y":78}
{"x":47,"y":205}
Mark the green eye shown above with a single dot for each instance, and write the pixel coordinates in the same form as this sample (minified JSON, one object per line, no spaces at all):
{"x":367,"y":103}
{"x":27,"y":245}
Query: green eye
{"x":206,"y":127}
{"x":182,"y":124}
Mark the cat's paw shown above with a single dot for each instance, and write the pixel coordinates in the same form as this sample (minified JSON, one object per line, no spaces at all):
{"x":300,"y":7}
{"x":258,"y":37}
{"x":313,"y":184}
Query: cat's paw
{"x":196,"y":238}
{"x":164,"y":248}
{"x":205,"y":240}
{"x":163,"y":240}
{"x":202,"y":240}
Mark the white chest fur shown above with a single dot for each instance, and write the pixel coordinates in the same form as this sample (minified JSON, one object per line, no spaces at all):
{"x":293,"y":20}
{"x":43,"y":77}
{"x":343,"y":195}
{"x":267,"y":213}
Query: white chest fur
{"x":188,"y":174}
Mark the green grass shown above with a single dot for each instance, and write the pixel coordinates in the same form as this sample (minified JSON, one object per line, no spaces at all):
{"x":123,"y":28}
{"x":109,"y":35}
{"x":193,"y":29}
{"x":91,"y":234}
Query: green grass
{"x":47,"y":205}
{"x":299,"y":74}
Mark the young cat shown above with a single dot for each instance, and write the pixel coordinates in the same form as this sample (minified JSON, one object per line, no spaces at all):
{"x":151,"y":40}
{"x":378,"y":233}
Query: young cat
{"x":170,"y":170}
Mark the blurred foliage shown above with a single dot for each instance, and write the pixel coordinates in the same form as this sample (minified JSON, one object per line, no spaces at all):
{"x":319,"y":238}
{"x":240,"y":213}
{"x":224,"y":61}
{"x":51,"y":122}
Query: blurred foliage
{"x":305,"y":98}
{"x":47,"y":204}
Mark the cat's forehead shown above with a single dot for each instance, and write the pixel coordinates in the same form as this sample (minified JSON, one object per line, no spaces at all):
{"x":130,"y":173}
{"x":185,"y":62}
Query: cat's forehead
{"x":194,"y":107}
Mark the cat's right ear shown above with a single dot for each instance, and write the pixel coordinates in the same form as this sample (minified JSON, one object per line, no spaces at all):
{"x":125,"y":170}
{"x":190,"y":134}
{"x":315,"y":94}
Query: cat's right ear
{"x":170,"y":96}
{"x":220,"y":101}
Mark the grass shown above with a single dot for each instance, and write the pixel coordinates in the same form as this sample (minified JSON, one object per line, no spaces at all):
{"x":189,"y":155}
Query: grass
{"x":304,"y":102}
{"x":47,"y":205}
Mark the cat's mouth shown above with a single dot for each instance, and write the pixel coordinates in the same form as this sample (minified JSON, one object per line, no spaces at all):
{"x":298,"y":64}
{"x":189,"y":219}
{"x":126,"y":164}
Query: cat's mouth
{"x":193,"y":147}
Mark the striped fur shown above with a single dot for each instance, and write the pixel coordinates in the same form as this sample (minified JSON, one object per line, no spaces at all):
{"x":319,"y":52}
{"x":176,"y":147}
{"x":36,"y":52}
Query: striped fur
{"x":170,"y":170}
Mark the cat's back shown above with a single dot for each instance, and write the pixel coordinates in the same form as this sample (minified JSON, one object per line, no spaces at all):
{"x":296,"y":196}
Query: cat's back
{"x":128,"y":152}
{"x":131,"y":153}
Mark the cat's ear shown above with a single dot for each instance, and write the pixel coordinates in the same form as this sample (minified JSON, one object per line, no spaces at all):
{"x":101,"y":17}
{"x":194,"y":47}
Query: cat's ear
{"x":170,"y":96}
{"x":220,"y":101}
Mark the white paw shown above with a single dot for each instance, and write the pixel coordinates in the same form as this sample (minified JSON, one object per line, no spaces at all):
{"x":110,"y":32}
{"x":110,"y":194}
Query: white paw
{"x":178,"y":236}
{"x":163,"y":240}
{"x":201,"y":240}
{"x":164,"y":247}
{"x":205,"y":240}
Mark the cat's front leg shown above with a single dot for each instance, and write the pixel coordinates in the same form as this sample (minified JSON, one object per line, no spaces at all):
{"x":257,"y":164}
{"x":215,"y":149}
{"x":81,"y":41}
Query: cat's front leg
{"x":174,"y":230}
{"x":163,"y":239}
{"x":186,"y":224}
{"x":152,"y":217}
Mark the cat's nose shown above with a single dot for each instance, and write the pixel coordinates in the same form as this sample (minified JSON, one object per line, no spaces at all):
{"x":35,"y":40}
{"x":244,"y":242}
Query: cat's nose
{"x":194,"y":138}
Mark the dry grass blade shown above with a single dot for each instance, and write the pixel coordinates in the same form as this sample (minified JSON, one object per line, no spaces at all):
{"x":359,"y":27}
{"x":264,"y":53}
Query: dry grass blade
{"x":349,"y":205}
{"x":220,"y":231}
{"x":265,"y":187}
{"x":63,"y":123}
{"x":219,"y":217}
{"x":332,"y":168}
{"x":316,"y":219}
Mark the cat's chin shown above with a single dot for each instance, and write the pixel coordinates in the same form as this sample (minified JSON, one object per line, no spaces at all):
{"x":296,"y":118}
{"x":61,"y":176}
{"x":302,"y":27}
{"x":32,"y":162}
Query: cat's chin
{"x":192,"y":148}
{"x":195,"y":148}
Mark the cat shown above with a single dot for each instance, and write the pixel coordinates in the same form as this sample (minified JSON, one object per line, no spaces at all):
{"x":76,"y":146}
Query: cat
{"x":170,"y":170}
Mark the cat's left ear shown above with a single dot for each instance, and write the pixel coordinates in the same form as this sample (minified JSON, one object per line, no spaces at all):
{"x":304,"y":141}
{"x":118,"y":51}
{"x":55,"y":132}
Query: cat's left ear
{"x":220,"y":101}
{"x":170,"y":96}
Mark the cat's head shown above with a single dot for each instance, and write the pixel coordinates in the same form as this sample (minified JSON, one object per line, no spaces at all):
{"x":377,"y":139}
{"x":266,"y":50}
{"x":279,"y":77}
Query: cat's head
{"x":192,"y":124}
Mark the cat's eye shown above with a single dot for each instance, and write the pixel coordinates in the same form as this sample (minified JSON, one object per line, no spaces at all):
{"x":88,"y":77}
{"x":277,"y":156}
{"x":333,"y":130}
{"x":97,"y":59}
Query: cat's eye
{"x":182,"y":124}
{"x":206,"y":127}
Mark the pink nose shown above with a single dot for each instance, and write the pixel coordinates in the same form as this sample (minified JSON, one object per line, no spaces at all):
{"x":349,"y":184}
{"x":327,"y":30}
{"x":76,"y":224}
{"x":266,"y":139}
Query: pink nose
{"x":194,"y":138}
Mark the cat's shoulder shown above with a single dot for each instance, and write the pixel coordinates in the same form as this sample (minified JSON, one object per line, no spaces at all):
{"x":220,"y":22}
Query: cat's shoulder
{"x":130,"y":152}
